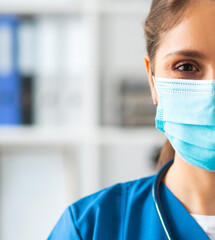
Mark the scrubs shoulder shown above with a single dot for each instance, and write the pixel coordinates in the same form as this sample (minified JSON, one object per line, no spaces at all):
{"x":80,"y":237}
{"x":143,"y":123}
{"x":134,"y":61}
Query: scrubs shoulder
{"x":104,"y":214}
{"x":126,"y":211}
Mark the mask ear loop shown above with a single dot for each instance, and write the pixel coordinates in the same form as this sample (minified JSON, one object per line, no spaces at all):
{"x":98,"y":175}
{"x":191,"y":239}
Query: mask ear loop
{"x":155,"y":89}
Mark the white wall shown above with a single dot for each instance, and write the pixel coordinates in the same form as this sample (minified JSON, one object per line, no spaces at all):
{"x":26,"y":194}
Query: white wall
{"x":33,"y":192}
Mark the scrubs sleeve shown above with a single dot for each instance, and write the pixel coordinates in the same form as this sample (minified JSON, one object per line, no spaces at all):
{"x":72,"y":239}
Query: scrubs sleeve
{"x":97,"y":216}
{"x":65,"y":229}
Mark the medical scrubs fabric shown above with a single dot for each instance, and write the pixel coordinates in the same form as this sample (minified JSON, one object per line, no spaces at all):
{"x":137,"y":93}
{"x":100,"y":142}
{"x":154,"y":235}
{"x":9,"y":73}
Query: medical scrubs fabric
{"x":126,"y":211}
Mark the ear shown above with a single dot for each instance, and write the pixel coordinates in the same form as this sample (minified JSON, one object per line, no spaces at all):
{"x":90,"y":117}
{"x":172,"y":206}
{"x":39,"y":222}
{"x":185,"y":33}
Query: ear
{"x":151,"y":82}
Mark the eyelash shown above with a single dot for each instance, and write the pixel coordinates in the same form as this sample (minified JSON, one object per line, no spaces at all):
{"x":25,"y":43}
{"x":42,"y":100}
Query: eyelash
{"x":178,"y":65}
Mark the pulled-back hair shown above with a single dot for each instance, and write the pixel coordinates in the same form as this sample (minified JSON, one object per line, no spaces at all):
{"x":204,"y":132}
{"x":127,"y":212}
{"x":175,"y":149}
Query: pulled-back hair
{"x":163,"y":16}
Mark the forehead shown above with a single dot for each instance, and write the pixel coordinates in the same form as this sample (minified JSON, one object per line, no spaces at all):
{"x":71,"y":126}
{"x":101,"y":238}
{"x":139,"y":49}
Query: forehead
{"x":195,"y":32}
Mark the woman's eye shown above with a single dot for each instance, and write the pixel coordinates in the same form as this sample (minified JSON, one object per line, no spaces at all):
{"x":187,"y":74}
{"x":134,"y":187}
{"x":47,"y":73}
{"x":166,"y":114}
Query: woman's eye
{"x":187,"y":67}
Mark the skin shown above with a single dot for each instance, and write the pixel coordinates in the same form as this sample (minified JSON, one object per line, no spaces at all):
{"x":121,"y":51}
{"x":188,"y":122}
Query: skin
{"x":188,"y":52}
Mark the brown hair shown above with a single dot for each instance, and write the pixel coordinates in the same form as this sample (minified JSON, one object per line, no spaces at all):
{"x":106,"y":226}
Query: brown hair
{"x":163,"y":16}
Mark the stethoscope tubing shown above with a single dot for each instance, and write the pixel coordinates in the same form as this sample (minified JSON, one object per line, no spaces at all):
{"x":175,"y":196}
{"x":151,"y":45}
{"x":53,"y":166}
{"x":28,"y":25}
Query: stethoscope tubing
{"x":157,"y":201}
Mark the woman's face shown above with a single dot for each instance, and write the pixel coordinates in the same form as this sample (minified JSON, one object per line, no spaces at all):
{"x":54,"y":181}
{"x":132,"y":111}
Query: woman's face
{"x":188,"y":50}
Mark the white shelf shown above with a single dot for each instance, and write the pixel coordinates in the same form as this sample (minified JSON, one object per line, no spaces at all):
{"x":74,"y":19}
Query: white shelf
{"x":124,"y":7}
{"x":104,"y":7}
{"x":131,"y":136}
{"x":32,"y":136}
{"x":37,"y":9}
{"x":40,"y":136}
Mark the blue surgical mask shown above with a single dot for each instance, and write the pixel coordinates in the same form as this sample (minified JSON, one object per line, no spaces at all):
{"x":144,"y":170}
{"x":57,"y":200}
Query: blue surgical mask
{"x":186,"y":114}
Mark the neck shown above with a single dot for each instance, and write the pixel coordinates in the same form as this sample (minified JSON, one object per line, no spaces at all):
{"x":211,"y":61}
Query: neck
{"x":192,"y":186}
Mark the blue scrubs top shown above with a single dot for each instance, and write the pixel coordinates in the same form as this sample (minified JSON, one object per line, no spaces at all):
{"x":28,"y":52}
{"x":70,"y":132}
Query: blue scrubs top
{"x":126,"y":211}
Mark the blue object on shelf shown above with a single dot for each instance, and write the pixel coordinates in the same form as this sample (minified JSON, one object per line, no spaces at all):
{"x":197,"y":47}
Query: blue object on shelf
{"x":10,"y":83}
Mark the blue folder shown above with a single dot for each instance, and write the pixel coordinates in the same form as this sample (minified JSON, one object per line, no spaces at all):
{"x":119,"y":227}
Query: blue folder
{"x":10,"y":86}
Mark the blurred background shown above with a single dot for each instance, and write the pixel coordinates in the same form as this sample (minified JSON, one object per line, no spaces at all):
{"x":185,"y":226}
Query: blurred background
{"x":76,"y":113}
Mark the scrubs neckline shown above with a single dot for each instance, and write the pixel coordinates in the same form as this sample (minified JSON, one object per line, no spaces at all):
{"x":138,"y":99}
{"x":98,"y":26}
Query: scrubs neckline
{"x":168,"y":196}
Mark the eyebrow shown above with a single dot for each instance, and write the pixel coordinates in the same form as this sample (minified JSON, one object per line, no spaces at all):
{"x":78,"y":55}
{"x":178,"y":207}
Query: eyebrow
{"x":187,"y":53}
